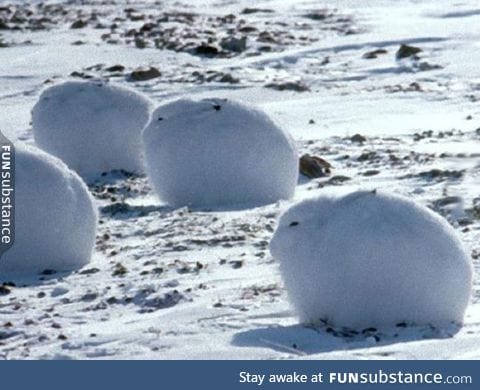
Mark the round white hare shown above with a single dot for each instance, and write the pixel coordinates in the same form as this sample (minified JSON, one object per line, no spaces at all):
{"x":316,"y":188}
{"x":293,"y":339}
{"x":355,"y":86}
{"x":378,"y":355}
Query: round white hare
{"x":55,"y":217}
{"x":94,"y":127}
{"x":372,"y":259}
{"x":216,"y":153}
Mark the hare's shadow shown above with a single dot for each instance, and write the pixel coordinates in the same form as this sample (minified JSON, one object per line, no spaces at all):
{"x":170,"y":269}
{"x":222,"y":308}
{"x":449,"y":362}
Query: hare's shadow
{"x":303,"y":340}
{"x":12,"y":280}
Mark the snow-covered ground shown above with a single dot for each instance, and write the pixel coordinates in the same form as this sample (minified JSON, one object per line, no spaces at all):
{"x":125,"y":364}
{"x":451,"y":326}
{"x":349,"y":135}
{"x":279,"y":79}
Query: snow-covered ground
{"x":193,"y":284}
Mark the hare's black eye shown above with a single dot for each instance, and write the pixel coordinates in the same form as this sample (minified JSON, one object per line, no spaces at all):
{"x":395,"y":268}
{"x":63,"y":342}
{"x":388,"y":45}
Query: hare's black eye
{"x":217,"y":107}
{"x":160,"y":119}
{"x":294,"y":223}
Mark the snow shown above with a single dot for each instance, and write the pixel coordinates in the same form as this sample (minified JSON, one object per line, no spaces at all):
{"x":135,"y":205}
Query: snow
{"x":55,"y":217}
{"x":94,"y":127}
{"x":370,"y":259}
{"x":217,"y":153}
{"x":184,"y":283}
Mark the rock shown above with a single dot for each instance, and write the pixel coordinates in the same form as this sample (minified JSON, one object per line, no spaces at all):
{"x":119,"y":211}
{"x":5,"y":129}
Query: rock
{"x":164,"y":301}
{"x":81,"y":75}
{"x":89,"y":297}
{"x":119,"y":270}
{"x":228,"y":78}
{"x":374,"y":53}
{"x":140,"y":43}
{"x":337,"y":180}
{"x":136,"y":17}
{"x":248,"y":11}
{"x":144,"y":74}
{"x":314,"y":167}
{"x":247,"y":29}
{"x":266,"y":37}
{"x":425,"y":66}
{"x":79,"y":24}
{"x":447,"y":201}
{"x":237,"y":45}
{"x":406,"y":51}
{"x":236,"y":264}
{"x":115,"y":68}
{"x":89,"y":271}
{"x":206,"y":50}
{"x":147,"y":27}
{"x":371,"y":172}
{"x":358,"y":138}
{"x":367,"y":156}
{"x":317,"y":16}
{"x":442,"y":174}
{"x":296,"y":86}
{"x":3,"y":25}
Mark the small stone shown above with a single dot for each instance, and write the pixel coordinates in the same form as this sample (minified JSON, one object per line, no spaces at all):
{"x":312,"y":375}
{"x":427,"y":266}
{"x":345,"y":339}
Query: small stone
{"x":237,"y":45}
{"x":120,"y":270}
{"x":79,"y":24}
{"x":206,"y":50}
{"x":358,"y":138}
{"x":338,"y":180}
{"x":3,"y":25}
{"x":314,"y":167}
{"x":406,"y":51}
{"x":115,"y":68}
{"x":81,"y":75}
{"x":89,"y":271}
{"x":371,"y":172}
{"x":144,"y":74}
{"x":228,"y":78}
{"x":296,"y":86}
{"x":374,"y":54}
{"x":89,"y":297}
{"x":140,"y":43}
{"x":248,"y":11}
{"x":236,"y":264}
{"x":317,"y":16}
